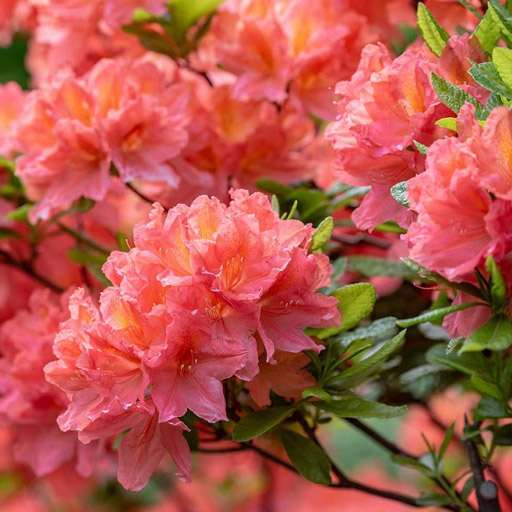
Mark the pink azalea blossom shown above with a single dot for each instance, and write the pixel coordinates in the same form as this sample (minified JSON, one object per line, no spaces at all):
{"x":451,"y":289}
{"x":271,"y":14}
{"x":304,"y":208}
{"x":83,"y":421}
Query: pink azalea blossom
{"x":385,"y":107}
{"x":124,"y":112}
{"x":287,"y":378}
{"x":78,"y":33}
{"x":142,"y":116}
{"x":11,"y":103}
{"x":65,"y":156}
{"x":188,"y":374}
{"x":246,"y":258}
{"x":187,"y":306}
{"x":269,"y":47}
{"x":459,"y":224}
{"x":27,"y":401}
{"x":141,"y":449}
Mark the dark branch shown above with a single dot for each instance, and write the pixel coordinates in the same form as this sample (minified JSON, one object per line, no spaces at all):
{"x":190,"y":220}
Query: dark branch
{"x":492,"y":470}
{"x":393,"y":448}
{"x":143,"y":196}
{"x":29,"y":270}
{"x":486,"y":491}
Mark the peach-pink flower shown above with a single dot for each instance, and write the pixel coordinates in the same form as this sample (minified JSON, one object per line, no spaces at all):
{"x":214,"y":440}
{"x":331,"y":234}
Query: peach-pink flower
{"x":384,"y":108}
{"x":459,"y":223}
{"x":28,"y":402}
{"x":64,"y":155}
{"x":11,"y":103}
{"x":142,"y":115}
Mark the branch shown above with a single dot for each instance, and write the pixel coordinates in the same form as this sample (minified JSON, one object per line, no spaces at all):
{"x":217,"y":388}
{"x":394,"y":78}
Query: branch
{"x":28,"y":269}
{"x":143,"y":196}
{"x":84,"y":239}
{"x":223,"y":450}
{"x":347,"y":483}
{"x":385,"y":443}
{"x":393,"y":448}
{"x":494,"y":472}
{"x":486,"y":491}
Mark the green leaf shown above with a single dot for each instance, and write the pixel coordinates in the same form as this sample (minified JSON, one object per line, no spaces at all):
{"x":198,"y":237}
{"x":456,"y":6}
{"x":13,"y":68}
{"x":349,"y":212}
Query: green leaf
{"x":496,"y":334}
{"x":450,"y":123}
{"x":307,"y":457}
{"x":413,"y":463}
{"x":450,"y":431}
{"x":275,"y":204}
{"x":293,"y":209}
{"x":338,"y":270}
{"x":421,"y":147}
{"x":274,"y":187}
{"x":7,"y":163}
{"x":432,"y":33}
{"x":355,"y":407}
{"x":487,"y":76}
{"x":20,"y":214}
{"x":316,"y":392}
{"x":436,"y":314}
{"x":437,"y":278}
{"x":490,"y":408}
{"x":376,"y":267}
{"x":472,"y":363}
{"x":185,"y":13}
{"x":506,"y":377}
{"x":488,"y":31}
{"x":503,"y":435}
{"x":469,"y":485}
{"x":493,"y":101}
{"x":399,"y":192}
{"x":502,"y":60}
{"x":454,"y":97}
{"x":13,"y":60}
{"x":259,"y":422}
{"x":502,"y":17}
{"x":143,"y":16}
{"x":466,"y":4}
{"x":380,"y":327}
{"x":84,"y":257}
{"x":435,"y":500}
{"x":498,"y":285}
{"x":484,"y":387}
{"x":372,"y":361}
{"x":356,"y":302}
{"x":122,"y":241}
{"x":322,"y":234}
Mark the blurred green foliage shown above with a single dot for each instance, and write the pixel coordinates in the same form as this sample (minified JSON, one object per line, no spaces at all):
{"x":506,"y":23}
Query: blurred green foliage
{"x":12,"y":62}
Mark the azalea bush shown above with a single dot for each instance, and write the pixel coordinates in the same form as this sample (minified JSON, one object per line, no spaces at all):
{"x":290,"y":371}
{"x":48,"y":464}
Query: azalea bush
{"x":245,"y":243}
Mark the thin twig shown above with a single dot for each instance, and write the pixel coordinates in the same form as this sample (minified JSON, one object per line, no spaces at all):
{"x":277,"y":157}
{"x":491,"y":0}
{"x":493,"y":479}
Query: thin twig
{"x":347,"y":483}
{"x":143,"y":196}
{"x":28,"y":269}
{"x":385,"y":443}
{"x":83,"y":239}
{"x":393,"y":448}
{"x":223,"y":450}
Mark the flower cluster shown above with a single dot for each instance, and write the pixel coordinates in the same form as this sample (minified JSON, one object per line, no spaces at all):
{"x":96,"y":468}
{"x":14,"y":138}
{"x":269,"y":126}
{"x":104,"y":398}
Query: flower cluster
{"x":153,"y":303}
{"x":386,"y":107}
{"x":206,"y":290}
{"x":124,"y":113}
